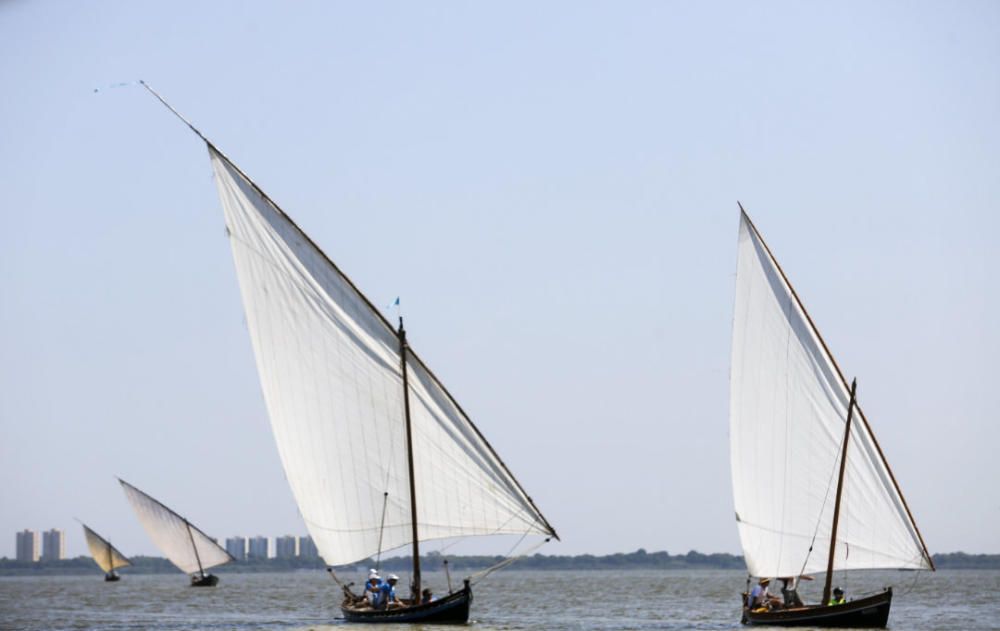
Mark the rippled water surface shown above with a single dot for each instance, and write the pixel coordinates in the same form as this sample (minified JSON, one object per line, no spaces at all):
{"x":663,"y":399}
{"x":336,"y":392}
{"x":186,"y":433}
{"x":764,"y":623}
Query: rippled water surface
{"x":506,"y":600}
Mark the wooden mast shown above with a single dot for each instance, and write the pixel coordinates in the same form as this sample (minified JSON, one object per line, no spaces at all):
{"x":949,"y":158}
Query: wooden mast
{"x":196,"y":555}
{"x":840,"y":489}
{"x":409,"y":459}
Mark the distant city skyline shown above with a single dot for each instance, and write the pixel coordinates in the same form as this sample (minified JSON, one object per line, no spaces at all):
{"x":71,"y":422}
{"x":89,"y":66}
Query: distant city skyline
{"x":50,"y":545}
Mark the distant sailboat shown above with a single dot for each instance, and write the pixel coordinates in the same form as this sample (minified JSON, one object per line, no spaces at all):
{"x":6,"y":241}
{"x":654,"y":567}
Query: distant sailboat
{"x":364,"y":429}
{"x":812,"y":488}
{"x":106,"y":556}
{"x":191,"y":550}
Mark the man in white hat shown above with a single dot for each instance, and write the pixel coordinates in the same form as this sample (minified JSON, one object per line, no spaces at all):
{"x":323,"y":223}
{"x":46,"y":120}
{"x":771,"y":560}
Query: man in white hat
{"x":759,"y":597}
{"x":372,"y":586}
{"x":387,"y":594}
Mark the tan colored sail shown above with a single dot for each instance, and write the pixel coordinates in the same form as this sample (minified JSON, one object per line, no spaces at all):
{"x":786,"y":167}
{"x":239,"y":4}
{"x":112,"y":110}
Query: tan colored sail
{"x":107,"y":557}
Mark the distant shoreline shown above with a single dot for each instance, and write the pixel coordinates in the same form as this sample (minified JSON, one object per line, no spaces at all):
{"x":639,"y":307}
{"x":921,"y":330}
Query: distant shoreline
{"x":639,"y":560}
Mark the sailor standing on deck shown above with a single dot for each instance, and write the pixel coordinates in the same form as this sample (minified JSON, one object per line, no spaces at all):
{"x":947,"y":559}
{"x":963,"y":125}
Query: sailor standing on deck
{"x":789,"y":591}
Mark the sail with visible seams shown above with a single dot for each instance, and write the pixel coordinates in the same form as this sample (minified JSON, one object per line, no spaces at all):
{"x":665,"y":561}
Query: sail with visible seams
{"x":788,"y":407}
{"x":106,"y":556}
{"x":191,"y":550}
{"x":330,"y":370}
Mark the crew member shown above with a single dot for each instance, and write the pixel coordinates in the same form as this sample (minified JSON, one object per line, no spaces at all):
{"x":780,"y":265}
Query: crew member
{"x":838,"y":597}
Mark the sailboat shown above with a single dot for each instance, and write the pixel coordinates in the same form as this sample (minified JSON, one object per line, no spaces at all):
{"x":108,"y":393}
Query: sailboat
{"x":105,"y":555}
{"x":377,"y":452}
{"x":187,"y":547}
{"x":812,"y":488}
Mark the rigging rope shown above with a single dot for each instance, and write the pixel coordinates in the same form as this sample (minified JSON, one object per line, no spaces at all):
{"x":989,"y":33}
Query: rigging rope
{"x":478,"y":576}
{"x":913,"y":584}
{"x":444,"y":547}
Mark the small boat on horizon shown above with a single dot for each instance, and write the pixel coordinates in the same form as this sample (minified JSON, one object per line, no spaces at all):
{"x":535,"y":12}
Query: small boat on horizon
{"x":187,"y":547}
{"x":812,"y":489}
{"x":105,"y":555}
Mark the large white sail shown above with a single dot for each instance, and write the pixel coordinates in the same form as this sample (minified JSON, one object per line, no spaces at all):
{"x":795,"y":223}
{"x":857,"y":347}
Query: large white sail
{"x":187,"y":547}
{"x":106,"y":556}
{"x":788,"y":408}
{"x":330,"y":371}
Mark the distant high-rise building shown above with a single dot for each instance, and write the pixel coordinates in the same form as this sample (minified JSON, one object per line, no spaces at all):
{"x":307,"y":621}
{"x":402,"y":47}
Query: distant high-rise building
{"x":307,"y":549}
{"x":237,"y":546}
{"x":53,"y":545}
{"x":27,"y":545}
{"x":257,"y":548}
{"x":286,"y":547}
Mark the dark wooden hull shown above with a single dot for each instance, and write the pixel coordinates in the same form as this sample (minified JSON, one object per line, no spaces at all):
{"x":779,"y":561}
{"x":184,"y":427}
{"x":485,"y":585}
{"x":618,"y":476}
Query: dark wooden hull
{"x":452,"y":609}
{"x":111,"y":578}
{"x":863,"y":613}
{"x":208,"y":580}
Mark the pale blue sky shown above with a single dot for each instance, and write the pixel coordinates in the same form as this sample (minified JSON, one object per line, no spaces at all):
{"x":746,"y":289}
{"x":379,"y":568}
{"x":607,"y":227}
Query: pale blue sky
{"x":551,"y":188}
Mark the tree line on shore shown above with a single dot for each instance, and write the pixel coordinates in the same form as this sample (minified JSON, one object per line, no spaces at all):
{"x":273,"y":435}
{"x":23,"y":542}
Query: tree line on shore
{"x":462,"y":565}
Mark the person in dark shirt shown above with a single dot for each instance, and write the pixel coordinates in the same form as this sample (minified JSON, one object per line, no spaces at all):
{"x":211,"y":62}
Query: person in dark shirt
{"x":838,"y":597}
{"x":789,"y":592}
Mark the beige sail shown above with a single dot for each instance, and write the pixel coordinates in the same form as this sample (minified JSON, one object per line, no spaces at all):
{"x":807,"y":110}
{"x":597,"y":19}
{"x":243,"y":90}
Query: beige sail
{"x":191,"y":550}
{"x":107,"y":557}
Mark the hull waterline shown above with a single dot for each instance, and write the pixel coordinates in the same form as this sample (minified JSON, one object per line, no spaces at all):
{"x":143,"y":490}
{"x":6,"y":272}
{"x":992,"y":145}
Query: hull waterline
{"x":208,"y":580}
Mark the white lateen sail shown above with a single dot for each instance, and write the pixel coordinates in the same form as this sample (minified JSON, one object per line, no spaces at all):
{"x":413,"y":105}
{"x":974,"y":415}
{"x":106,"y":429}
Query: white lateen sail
{"x":106,"y":556}
{"x":329,"y":366}
{"x":788,"y":407}
{"x":191,"y":550}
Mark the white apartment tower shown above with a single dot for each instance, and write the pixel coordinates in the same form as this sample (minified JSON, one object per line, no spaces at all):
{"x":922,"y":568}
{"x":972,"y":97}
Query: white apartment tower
{"x":307,"y":549}
{"x":53,"y":545}
{"x":237,"y":546}
{"x":257,"y":548}
{"x":286,"y":547}
{"x":27,"y":545}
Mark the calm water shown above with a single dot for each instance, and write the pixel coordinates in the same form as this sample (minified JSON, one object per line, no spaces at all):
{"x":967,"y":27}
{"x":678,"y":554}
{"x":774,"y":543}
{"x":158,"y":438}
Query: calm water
{"x":964,"y":600}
